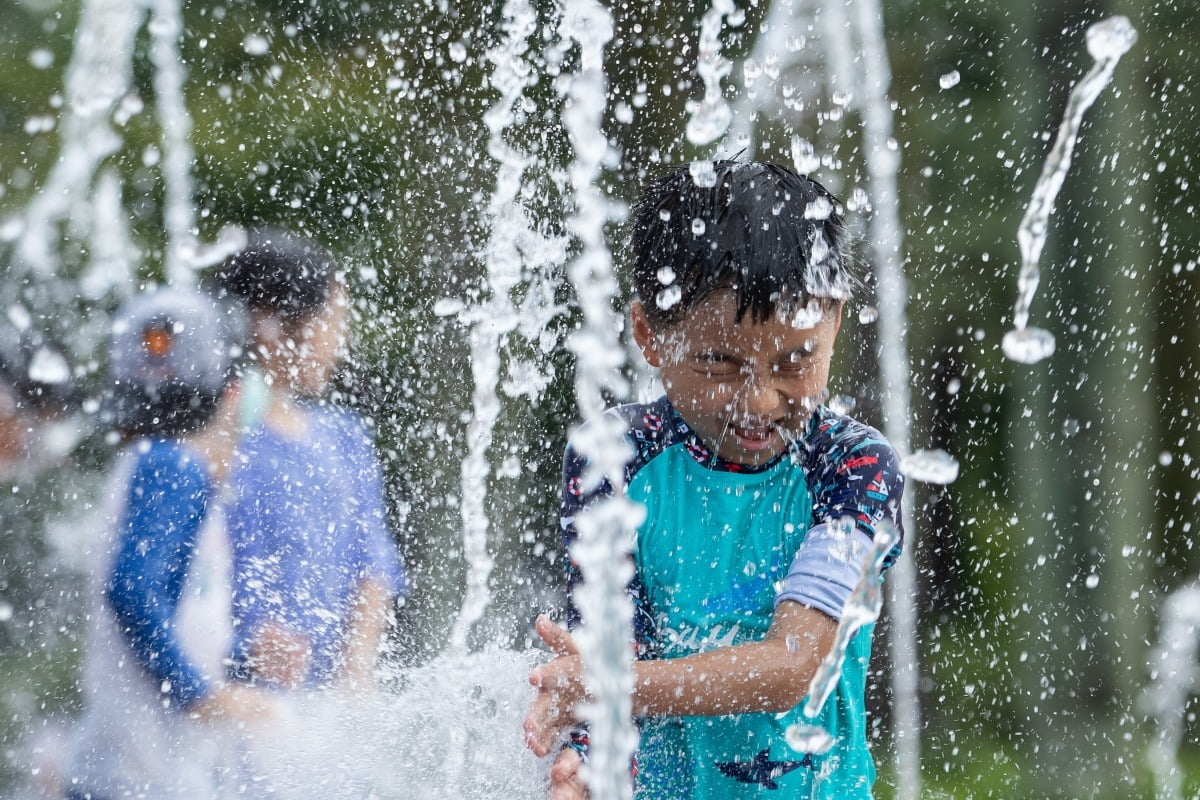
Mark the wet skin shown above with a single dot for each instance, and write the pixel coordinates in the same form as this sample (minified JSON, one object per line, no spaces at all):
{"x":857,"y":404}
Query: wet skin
{"x":746,"y":388}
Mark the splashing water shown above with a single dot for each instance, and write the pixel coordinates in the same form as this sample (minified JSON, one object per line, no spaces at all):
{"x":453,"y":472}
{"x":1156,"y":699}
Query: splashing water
{"x":711,"y":116}
{"x":1173,"y":676}
{"x":405,"y":742}
{"x":861,"y":609}
{"x":492,"y":321}
{"x":1107,"y":41}
{"x":606,"y":528}
{"x":887,"y":246}
{"x":930,"y":466}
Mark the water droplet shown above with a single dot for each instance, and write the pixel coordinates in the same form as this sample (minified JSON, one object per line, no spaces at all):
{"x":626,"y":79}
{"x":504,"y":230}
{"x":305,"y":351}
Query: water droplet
{"x":698,"y":226}
{"x":808,"y":739}
{"x":41,"y":58}
{"x":1028,"y":345}
{"x":930,"y":466}
{"x":819,"y":209}
{"x":868,"y":314}
{"x":950,"y":79}
{"x":1092,"y":581}
{"x":47,"y":366}
{"x":448,"y":307}
{"x":666,"y":276}
{"x":256,"y":45}
{"x":458,"y":52}
{"x":1110,"y":38}
{"x":1165,"y":458}
{"x":668,"y":297}
{"x":842,"y":404}
{"x":703,"y":174}
{"x":6,"y":611}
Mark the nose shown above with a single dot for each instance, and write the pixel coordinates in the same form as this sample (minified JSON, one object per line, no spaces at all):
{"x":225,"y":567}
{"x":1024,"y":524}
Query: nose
{"x":762,"y":398}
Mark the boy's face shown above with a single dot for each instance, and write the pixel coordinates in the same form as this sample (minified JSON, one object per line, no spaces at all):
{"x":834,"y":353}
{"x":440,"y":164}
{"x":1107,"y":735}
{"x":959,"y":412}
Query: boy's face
{"x":747,"y":389}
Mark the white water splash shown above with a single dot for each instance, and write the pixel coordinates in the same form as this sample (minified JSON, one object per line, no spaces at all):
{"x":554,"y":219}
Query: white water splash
{"x":1173,"y":676}
{"x":930,"y":466}
{"x":179,"y":215}
{"x":492,"y":322}
{"x":1107,"y":41}
{"x":861,"y":609}
{"x":448,"y":730}
{"x":710,"y":116}
{"x":606,"y":528}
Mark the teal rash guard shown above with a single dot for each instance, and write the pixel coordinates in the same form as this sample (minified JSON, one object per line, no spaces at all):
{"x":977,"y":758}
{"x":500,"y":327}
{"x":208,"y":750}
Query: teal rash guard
{"x":721,"y":545}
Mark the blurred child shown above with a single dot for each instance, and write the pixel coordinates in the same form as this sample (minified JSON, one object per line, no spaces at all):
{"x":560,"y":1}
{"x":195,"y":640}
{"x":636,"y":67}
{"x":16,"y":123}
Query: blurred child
{"x":316,"y":570}
{"x":741,"y":573}
{"x":160,"y":628}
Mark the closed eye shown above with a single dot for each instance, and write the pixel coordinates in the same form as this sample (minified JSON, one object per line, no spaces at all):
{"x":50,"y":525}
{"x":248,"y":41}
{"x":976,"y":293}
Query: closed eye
{"x":717,"y":364}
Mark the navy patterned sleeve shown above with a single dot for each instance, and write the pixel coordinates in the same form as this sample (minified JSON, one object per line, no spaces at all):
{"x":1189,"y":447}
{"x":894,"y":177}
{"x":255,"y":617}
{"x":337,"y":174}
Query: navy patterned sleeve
{"x":577,"y":495}
{"x":853,"y":474}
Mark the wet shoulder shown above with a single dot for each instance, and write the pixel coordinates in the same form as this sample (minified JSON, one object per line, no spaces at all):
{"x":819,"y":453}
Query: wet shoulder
{"x":844,"y":443}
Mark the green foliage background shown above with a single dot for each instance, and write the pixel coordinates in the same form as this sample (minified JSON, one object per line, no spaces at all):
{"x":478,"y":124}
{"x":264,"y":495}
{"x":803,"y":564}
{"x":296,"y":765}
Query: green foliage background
{"x":360,"y":127}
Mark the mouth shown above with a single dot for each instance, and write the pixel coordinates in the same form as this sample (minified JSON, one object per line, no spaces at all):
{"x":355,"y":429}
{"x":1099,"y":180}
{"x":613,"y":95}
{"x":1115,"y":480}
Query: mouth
{"x":755,"y":438}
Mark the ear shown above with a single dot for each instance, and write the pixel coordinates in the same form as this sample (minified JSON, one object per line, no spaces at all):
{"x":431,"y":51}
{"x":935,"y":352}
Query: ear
{"x":643,"y":334}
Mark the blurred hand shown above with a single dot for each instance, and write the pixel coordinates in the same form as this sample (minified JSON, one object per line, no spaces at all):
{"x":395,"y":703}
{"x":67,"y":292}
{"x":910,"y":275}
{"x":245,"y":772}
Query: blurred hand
{"x":237,"y":703}
{"x":280,"y":656}
{"x":565,"y":781}
{"x":559,"y":685}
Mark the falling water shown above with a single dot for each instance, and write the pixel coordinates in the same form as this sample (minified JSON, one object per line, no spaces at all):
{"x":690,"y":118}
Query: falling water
{"x":494,"y":319}
{"x":1107,"y":41}
{"x":97,"y":90}
{"x":605,"y":529}
{"x":862,"y":608}
{"x":1173,"y":674}
{"x":887,"y":245}
{"x":710,"y":116}
{"x":179,"y":215}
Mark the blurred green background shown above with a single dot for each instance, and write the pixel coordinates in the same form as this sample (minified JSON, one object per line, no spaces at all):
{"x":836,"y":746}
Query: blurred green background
{"x":1042,"y":568}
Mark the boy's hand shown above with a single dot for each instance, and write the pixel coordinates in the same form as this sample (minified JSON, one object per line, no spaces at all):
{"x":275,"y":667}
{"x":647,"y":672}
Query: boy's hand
{"x":280,"y":656}
{"x":237,"y":704}
{"x":559,"y":685}
{"x":565,"y":781}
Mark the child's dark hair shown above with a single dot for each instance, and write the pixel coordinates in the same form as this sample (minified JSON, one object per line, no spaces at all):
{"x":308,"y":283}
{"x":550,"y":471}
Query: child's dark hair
{"x":278,"y":273}
{"x":172,"y":408}
{"x":772,"y":236}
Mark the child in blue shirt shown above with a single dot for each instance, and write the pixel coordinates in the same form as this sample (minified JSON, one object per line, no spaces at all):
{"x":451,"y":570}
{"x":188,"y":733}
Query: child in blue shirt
{"x":743,"y":564}
{"x":316,"y":570}
{"x":160,"y":626}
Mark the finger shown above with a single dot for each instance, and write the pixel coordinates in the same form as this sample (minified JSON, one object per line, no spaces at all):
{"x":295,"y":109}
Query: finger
{"x":565,"y":766}
{"x":555,"y":636}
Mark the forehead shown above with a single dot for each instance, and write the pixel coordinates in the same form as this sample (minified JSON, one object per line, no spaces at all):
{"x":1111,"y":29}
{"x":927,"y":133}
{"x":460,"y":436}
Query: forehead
{"x":713,"y":324}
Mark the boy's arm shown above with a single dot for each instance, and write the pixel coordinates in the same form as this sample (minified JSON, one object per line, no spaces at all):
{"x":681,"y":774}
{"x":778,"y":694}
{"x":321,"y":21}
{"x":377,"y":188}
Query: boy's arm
{"x":368,"y":622}
{"x":771,"y":675}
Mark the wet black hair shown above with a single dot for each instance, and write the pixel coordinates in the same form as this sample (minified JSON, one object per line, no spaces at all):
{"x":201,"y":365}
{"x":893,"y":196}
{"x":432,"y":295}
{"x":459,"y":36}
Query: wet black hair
{"x":172,"y":408}
{"x":774,"y":237}
{"x":278,"y":273}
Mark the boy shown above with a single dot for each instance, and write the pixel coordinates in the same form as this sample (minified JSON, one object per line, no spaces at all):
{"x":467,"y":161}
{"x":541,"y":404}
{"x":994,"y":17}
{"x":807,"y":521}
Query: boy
{"x":160,"y":629}
{"x":741,"y":567}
